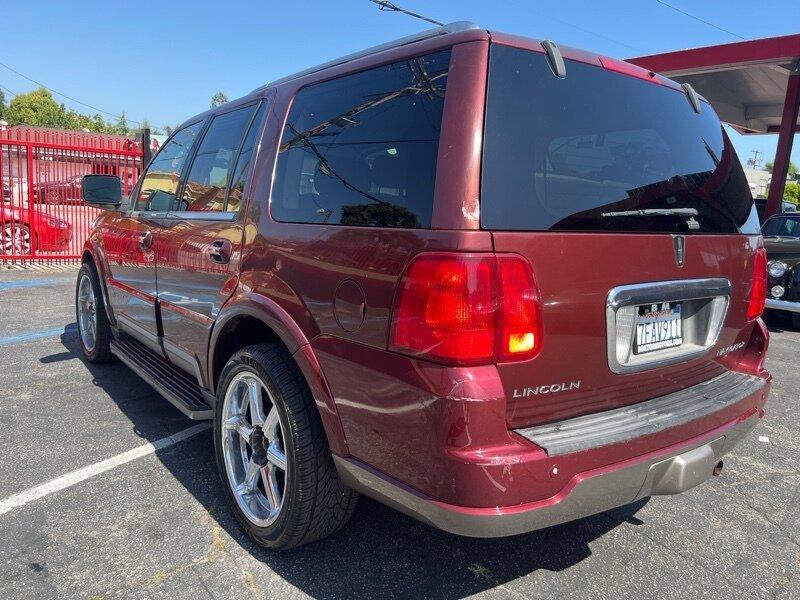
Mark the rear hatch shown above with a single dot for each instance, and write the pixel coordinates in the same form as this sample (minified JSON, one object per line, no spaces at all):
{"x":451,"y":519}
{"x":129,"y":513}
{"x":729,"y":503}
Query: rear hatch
{"x":636,"y":216}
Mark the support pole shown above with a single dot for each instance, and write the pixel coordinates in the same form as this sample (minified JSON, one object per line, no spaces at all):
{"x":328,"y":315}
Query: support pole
{"x":780,"y":167}
{"x":147,"y":152}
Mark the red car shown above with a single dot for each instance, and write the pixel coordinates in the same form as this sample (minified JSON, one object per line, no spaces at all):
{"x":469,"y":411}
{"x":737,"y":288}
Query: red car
{"x":495,"y":283}
{"x":63,"y":191}
{"x":48,"y":234}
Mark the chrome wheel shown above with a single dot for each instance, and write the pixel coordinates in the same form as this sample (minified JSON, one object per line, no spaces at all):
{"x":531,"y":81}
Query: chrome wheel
{"x":253,"y":448}
{"x":87,"y":313}
{"x":16,"y":239}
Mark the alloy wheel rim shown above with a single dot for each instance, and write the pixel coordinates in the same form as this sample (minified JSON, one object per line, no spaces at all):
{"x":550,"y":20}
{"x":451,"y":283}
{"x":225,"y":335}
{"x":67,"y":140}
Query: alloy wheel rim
{"x":87,"y":313}
{"x":256,"y":463}
{"x":16,"y":239}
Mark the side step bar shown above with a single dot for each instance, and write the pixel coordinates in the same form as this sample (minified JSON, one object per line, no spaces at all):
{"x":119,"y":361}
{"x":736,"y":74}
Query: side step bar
{"x":176,"y":386}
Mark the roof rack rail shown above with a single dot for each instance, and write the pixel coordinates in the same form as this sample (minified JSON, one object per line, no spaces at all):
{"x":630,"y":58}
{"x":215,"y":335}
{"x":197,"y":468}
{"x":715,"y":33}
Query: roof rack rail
{"x":417,"y":37}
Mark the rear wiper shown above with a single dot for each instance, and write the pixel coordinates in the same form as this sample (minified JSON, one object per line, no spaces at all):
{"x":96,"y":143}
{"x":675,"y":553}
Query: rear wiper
{"x":653,"y":212}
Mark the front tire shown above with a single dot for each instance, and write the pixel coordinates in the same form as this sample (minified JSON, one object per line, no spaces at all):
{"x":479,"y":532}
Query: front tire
{"x":795,"y":318}
{"x":94,"y":331}
{"x":272,"y":453}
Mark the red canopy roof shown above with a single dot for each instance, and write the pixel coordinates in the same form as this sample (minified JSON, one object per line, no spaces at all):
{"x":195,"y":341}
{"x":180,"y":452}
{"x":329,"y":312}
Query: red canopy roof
{"x":745,"y":82}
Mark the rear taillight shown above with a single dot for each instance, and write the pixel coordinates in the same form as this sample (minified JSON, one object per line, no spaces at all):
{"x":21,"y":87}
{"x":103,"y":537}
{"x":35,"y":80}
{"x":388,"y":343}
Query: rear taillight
{"x":758,"y":293}
{"x":467,"y":309}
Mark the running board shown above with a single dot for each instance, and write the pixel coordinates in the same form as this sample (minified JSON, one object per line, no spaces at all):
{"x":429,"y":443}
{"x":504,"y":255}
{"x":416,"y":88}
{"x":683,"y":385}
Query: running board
{"x":180,"y":389}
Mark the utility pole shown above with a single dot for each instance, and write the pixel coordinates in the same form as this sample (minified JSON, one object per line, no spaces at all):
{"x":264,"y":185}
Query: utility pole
{"x":755,"y":162}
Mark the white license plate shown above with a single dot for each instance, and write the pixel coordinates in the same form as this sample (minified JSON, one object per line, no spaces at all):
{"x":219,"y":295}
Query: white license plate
{"x":658,"y":327}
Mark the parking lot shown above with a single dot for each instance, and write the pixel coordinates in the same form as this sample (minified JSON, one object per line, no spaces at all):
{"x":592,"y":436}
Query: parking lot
{"x":154,"y":524}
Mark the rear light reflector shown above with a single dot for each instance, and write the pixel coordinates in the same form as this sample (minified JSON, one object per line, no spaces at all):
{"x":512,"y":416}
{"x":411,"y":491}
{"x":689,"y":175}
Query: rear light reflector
{"x":467,"y":309}
{"x":758,"y":292}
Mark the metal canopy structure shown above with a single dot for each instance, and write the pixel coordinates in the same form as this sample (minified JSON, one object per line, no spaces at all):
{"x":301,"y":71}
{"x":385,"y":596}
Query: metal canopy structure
{"x":753,"y":85}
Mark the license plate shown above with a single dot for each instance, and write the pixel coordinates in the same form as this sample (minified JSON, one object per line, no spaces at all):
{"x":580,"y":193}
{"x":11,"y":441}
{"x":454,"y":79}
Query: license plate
{"x":658,"y":327}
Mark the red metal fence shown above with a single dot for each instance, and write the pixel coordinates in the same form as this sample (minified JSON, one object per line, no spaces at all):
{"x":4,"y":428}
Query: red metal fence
{"x":43,"y":218}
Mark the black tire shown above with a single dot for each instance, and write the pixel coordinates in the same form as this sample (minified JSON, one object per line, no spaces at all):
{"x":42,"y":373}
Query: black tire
{"x":101,"y":351}
{"x":795,"y":318}
{"x":316,"y":503}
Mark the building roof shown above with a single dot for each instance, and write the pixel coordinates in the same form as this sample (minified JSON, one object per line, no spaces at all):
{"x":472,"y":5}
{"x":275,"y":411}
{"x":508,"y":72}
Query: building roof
{"x":744,"y":81}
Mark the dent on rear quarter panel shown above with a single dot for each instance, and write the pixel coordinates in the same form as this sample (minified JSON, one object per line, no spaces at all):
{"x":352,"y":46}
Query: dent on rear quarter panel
{"x":299,"y":266}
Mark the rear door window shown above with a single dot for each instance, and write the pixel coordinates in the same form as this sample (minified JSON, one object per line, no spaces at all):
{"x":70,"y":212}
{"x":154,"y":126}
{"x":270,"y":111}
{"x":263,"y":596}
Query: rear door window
{"x":602,"y":151}
{"x":361,"y":149}
{"x":242,"y":170}
{"x":210,"y":174}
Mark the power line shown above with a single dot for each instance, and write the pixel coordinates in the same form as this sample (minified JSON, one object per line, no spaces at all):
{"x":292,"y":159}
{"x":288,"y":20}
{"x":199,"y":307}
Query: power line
{"x":386,"y":5}
{"x":2,"y":87}
{"x":590,"y":32}
{"x":51,"y":90}
{"x":691,"y":16}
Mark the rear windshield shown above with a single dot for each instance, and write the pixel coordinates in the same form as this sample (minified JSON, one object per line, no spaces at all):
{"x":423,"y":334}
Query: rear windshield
{"x":602,"y":151}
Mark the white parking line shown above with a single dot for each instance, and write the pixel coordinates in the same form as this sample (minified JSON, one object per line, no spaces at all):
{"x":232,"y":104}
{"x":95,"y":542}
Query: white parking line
{"x":70,"y":479}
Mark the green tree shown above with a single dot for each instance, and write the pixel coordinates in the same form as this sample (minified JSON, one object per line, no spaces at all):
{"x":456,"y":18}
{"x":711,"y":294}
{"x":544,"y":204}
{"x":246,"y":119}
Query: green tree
{"x":792,"y":167}
{"x":121,"y":126}
{"x":218,"y":99}
{"x":2,"y":104}
{"x":39,"y":109}
{"x":792,"y":193}
{"x":36,"y":108}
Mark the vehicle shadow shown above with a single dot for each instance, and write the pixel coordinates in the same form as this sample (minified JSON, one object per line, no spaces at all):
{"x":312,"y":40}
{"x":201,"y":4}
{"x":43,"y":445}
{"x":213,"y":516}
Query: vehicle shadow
{"x":381,"y":552}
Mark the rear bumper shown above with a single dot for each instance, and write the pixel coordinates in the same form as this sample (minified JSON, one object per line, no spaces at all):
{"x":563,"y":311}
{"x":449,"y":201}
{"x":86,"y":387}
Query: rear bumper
{"x":783,"y":305}
{"x":667,"y":471}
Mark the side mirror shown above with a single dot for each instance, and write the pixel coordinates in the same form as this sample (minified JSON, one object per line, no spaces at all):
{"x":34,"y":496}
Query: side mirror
{"x":102,"y":191}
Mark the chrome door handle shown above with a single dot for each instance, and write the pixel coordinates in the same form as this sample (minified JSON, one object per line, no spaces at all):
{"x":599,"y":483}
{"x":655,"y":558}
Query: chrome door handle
{"x":220,"y":251}
{"x":146,"y":240}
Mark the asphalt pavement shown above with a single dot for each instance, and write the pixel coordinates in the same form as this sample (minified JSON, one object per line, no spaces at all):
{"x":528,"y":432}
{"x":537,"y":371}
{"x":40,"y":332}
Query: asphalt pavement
{"x":151,"y":522}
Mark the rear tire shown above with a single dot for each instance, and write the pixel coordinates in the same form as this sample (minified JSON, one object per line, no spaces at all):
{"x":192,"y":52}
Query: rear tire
{"x":94,"y":331}
{"x":795,"y":318}
{"x":279,"y":507}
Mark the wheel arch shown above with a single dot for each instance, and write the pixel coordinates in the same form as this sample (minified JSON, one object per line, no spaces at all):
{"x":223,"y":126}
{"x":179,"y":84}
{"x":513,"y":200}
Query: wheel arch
{"x":250,"y":319}
{"x":91,"y":254}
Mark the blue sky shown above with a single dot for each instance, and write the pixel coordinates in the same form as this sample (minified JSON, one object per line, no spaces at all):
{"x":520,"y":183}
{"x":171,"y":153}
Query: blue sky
{"x":164,"y":61}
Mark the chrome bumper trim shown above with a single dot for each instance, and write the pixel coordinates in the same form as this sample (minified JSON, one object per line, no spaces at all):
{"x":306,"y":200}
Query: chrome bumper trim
{"x":645,"y":418}
{"x":783,"y":305}
{"x":669,"y":473}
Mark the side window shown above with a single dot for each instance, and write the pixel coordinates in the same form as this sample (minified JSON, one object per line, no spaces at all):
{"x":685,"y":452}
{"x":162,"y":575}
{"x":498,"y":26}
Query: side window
{"x":210,"y":173}
{"x":160,"y":183}
{"x":361,"y":149}
{"x":236,"y":193}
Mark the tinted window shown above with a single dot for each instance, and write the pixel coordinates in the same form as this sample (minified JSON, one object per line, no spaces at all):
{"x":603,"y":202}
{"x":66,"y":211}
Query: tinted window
{"x":207,"y":182}
{"x":160,"y":183}
{"x":782,"y":226}
{"x":240,"y":174}
{"x":587,"y":152}
{"x":361,"y":149}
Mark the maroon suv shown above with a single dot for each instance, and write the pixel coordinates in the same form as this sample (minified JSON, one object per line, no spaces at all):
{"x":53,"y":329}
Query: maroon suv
{"x":495,"y":283}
